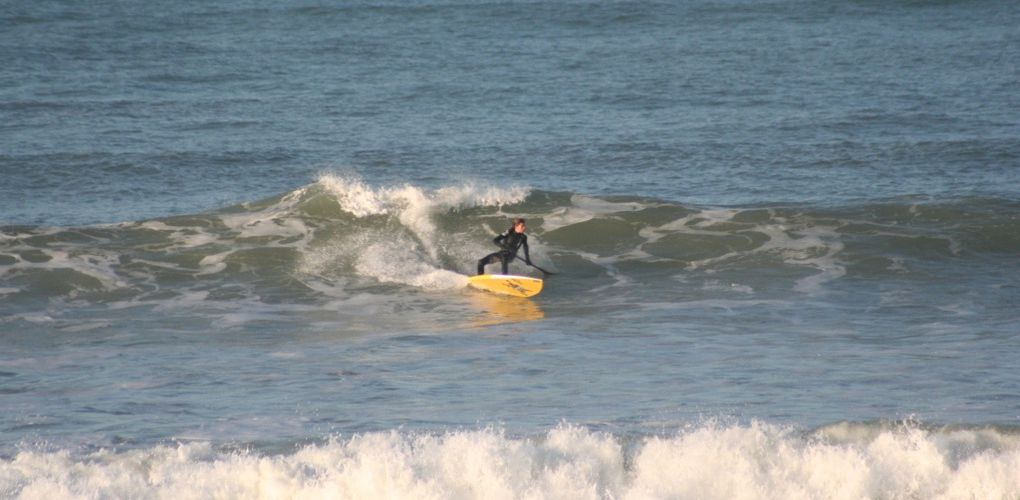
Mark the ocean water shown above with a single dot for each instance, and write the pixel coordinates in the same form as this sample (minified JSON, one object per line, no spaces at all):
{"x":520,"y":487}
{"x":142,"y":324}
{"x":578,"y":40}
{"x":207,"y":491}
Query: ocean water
{"x":235,"y":240}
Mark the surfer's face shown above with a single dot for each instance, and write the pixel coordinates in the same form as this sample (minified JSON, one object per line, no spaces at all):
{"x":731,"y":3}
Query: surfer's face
{"x":519,"y":227}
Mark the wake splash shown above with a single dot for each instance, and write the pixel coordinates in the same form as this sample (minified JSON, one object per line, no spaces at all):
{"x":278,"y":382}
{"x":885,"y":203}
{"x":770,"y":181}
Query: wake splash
{"x":712,"y":461}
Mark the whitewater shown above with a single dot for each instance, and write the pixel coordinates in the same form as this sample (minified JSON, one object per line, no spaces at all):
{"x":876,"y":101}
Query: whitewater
{"x":710,"y":461}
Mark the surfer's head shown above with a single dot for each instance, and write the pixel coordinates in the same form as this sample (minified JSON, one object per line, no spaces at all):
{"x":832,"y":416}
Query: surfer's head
{"x":519,"y":225}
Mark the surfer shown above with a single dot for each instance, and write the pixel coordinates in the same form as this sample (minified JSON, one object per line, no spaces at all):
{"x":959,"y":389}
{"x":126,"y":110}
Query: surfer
{"x":509,"y":242}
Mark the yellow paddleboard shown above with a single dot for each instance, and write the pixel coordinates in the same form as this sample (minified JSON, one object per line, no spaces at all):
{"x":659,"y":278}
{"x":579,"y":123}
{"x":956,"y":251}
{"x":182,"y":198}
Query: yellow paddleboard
{"x":506,"y":284}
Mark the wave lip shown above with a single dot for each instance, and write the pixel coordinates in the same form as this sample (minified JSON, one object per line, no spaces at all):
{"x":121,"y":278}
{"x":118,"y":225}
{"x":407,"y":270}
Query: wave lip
{"x":754,"y":461}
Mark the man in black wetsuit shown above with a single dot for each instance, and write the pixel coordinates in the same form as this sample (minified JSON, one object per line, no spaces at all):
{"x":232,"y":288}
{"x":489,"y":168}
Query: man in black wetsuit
{"x":509,"y":241}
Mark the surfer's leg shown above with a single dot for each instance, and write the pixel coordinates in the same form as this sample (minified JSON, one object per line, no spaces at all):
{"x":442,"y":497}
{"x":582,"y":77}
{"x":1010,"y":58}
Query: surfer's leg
{"x":488,"y":259}
{"x":505,"y":259}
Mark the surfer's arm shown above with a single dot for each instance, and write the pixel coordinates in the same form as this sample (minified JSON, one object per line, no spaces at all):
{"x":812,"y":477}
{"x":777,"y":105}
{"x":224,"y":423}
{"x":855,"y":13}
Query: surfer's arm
{"x":498,"y":240}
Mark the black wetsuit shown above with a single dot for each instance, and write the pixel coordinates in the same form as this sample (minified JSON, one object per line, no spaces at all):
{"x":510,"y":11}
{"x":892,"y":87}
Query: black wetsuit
{"x":509,"y":242}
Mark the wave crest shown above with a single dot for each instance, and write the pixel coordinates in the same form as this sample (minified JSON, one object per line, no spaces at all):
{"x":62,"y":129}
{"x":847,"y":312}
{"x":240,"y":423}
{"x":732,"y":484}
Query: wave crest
{"x":410,"y":202}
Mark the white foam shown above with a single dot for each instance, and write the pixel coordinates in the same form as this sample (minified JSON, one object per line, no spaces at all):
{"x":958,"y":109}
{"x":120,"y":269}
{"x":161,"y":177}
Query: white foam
{"x":361,"y":200}
{"x":755,"y":461}
{"x":584,"y":208}
{"x":694,"y":223}
{"x":35,"y":317}
{"x":16,"y":235}
{"x":714,"y":285}
{"x":276,"y":222}
{"x":212,"y":264}
{"x":84,"y":326}
{"x":353,"y":195}
{"x":182,"y":237}
{"x":97,"y":265}
{"x":397,"y":262}
{"x":600,"y":206}
{"x":186,"y":299}
{"x":153,"y":225}
{"x":801,"y":245}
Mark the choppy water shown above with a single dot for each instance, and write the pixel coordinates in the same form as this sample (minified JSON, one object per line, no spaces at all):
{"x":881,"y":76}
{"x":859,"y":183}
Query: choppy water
{"x":235,"y":238}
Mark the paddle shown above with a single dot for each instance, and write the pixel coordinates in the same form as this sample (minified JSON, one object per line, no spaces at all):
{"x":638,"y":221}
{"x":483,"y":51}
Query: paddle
{"x":532,"y":265}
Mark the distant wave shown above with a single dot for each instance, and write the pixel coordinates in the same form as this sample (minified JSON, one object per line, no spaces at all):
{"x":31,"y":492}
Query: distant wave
{"x":709,"y":461}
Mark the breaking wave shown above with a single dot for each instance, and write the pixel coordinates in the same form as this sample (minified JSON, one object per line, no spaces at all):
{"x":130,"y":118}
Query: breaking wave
{"x":339,"y":237}
{"x":709,"y":461}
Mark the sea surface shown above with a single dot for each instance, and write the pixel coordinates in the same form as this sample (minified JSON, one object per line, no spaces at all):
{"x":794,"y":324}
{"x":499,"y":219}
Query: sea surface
{"x":235,"y":238}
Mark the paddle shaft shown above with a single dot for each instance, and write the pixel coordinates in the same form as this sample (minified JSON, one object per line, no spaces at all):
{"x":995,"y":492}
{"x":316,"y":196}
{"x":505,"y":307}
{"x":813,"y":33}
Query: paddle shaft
{"x":532,"y":265}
